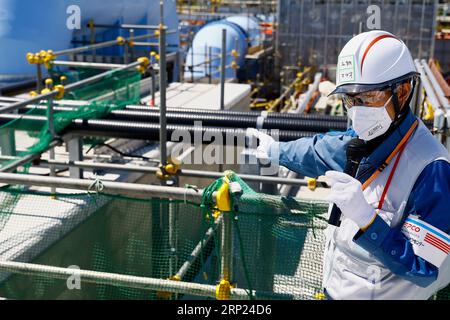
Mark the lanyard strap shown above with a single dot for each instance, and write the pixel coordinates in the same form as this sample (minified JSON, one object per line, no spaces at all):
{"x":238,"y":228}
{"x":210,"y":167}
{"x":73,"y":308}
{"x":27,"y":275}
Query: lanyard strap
{"x":391,"y":175}
{"x":397,"y":149}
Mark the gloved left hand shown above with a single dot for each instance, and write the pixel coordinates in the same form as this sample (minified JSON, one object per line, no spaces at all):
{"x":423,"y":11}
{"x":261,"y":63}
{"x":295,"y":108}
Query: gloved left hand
{"x":347,"y":194}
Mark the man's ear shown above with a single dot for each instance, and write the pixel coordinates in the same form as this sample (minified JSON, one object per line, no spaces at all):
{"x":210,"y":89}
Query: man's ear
{"x":403,"y":92}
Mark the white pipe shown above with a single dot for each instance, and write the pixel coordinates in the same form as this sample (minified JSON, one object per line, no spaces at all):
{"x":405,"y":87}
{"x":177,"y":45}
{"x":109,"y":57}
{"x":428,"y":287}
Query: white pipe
{"x":120,"y":280}
{"x":439,"y":92}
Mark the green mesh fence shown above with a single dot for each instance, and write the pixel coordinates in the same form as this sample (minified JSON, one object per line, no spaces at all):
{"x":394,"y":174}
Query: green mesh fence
{"x":276,"y":253}
{"x":115,"y":91}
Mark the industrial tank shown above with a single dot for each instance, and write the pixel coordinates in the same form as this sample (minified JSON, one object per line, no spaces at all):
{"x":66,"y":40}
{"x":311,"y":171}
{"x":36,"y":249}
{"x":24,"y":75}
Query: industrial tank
{"x":210,"y":36}
{"x":251,"y":27}
{"x":31,"y":26}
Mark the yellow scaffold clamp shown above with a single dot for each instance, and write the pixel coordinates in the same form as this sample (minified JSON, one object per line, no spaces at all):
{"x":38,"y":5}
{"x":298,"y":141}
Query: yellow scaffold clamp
{"x":120,"y":41}
{"x":60,"y":89}
{"x":48,"y":58}
{"x":48,"y":86}
{"x":234,"y":53}
{"x":33,"y":93}
{"x":312,"y":183}
{"x":144,"y":63}
{"x":234,"y":65}
{"x":319,"y":296}
{"x":165,"y":294}
{"x":170,"y":169}
{"x":223,"y":290}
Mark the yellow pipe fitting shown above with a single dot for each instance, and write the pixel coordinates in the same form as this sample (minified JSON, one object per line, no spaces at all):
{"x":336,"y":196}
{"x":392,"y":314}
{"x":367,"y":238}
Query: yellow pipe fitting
{"x":312,"y":184}
{"x":120,"y":41}
{"x":223,"y":290}
{"x":60,"y":89}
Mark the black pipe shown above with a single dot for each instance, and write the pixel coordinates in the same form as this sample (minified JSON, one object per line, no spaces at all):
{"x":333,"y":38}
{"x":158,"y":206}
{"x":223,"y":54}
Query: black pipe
{"x":230,"y":121}
{"x":150,"y":131}
{"x":219,"y":120}
{"x":140,"y":130}
{"x":315,"y":116}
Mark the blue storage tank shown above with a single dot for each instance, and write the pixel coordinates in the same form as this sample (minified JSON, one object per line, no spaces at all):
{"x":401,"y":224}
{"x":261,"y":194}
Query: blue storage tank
{"x":31,"y":26}
{"x":211,"y":36}
{"x":251,"y":27}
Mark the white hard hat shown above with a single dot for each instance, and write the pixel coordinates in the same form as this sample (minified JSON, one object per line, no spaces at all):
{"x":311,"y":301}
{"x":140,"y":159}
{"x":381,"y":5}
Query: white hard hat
{"x":374,"y":60}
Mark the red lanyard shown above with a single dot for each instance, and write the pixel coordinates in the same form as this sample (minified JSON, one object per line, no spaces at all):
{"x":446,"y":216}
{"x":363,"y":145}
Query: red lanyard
{"x":399,"y":149}
{"x":391,"y":175}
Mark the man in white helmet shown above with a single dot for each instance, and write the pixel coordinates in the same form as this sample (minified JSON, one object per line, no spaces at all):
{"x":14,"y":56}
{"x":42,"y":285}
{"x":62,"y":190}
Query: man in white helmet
{"x":393,"y":241}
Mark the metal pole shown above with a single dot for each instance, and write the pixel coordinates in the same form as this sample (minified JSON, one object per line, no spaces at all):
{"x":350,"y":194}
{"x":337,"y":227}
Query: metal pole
{"x":39,"y":77}
{"x":14,"y":165}
{"x":162,"y":95}
{"x":100,"y":45}
{"x":93,"y":65}
{"x":68,"y":88}
{"x":51,"y":129}
{"x":222,"y":69}
{"x":210,"y":66}
{"x":226,"y":243}
{"x":182,"y":172}
{"x":198,"y":250}
{"x":109,"y":187}
{"x":152,"y":71}
{"x":128,"y":281}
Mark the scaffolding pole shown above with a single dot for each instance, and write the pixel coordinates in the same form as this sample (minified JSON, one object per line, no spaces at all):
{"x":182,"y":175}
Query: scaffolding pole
{"x":121,"y":280}
{"x":68,"y":88}
{"x":181,"y":172}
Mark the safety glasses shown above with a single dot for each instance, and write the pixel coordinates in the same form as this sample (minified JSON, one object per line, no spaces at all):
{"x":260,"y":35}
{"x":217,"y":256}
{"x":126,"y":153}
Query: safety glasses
{"x":369,"y":99}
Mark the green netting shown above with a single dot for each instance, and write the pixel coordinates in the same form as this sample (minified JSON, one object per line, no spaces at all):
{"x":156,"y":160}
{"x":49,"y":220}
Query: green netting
{"x":277,"y":252}
{"x":113,"y":92}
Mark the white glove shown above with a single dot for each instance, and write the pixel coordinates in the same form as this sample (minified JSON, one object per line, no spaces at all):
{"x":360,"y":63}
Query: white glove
{"x":265,"y":141}
{"x":347,"y":194}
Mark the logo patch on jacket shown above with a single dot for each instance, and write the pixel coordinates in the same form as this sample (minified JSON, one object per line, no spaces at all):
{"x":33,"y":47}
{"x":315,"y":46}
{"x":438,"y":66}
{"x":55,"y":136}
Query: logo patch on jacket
{"x":428,"y":242}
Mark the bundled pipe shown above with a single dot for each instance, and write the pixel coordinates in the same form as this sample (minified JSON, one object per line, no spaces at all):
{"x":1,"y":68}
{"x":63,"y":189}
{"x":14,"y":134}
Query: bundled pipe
{"x":141,"y":130}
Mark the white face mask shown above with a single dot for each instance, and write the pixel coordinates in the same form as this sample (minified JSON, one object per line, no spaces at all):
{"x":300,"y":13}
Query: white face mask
{"x":370,"y":122}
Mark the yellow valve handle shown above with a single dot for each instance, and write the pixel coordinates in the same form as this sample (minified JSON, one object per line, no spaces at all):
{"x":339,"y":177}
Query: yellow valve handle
{"x":223,"y":290}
